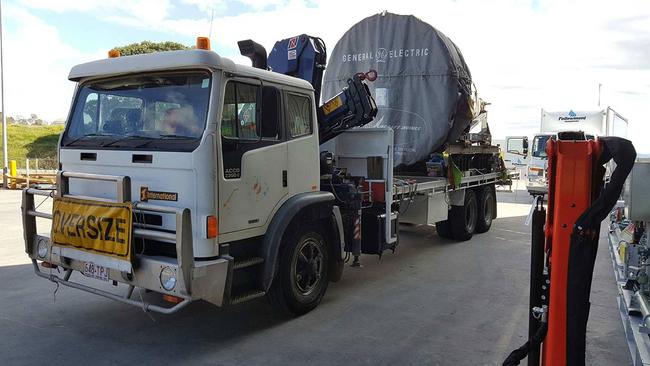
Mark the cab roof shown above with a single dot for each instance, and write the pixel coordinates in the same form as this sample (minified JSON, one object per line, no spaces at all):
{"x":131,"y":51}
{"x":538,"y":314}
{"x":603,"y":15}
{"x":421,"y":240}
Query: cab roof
{"x":175,"y":60}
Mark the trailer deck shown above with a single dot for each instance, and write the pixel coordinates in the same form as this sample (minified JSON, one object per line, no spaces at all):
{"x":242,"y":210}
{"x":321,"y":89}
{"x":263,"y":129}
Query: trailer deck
{"x":441,"y":184}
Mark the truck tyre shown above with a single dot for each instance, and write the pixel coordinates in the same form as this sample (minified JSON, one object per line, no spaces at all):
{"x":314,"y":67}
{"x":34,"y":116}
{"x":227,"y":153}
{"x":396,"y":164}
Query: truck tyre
{"x":302,"y":277}
{"x":486,"y":207}
{"x":443,"y":229}
{"x":462,"y":219}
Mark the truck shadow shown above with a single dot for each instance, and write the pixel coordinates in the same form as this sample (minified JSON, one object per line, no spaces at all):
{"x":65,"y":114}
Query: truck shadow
{"x":75,"y":318}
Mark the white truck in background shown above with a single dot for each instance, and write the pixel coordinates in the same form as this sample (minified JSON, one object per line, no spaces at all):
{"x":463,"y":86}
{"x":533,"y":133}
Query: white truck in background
{"x":605,"y":122}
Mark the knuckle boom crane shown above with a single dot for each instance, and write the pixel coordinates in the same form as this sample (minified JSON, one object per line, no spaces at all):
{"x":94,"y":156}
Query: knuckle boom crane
{"x":305,"y":57}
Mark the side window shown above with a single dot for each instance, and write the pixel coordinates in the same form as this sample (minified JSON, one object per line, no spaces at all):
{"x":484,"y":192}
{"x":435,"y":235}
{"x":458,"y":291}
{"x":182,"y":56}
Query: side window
{"x":515,"y":146}
{"x":299,"y":115}
{"x":240,"y":112}
{"x":250,"y":120}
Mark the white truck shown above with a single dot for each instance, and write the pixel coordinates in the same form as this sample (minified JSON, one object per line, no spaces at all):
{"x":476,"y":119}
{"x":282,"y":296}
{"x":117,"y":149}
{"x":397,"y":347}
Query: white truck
{"x":195,"y":178}
{"x":606,"y":122}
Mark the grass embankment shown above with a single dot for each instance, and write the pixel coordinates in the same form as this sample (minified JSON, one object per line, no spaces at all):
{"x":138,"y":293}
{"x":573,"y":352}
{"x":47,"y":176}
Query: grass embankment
{"x":31,"y":142}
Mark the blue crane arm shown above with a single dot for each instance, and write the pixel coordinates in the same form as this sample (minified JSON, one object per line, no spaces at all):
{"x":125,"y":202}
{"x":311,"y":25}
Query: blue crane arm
{"x":305,"y":57}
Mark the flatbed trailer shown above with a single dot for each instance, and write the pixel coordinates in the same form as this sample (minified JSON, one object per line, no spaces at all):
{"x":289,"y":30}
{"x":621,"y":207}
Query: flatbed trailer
{"x":418,"y":200}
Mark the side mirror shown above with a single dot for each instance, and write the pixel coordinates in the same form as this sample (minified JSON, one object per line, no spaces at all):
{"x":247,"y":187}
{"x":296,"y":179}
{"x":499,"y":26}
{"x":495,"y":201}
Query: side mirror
{"x":525,"y":145}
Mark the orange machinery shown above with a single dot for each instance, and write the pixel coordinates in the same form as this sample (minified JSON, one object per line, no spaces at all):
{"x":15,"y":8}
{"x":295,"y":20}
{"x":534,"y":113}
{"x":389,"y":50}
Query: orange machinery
{"x":571,"y":169}
{"x":564,"y":245}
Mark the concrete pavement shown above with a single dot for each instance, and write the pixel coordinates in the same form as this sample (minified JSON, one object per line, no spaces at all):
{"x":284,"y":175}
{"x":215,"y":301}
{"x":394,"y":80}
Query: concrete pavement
{"x":433,"y":302}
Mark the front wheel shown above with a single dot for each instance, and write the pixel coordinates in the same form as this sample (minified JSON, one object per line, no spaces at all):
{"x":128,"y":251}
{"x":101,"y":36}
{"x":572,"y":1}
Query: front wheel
{"x":302,"y":278}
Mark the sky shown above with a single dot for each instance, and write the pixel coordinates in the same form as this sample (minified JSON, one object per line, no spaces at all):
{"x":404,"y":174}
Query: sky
{"x":523,"y":55}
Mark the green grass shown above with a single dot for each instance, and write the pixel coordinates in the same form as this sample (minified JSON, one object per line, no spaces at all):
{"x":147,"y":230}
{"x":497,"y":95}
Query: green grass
{"x":33,"y":142}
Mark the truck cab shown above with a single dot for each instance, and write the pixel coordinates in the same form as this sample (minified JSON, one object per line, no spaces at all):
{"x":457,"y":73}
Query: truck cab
{"x":163,"y":157}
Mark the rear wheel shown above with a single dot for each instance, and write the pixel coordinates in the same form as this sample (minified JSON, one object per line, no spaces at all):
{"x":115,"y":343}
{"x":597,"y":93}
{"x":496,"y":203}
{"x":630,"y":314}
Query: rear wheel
{"x":486,"y":209}
{"x":463,"y":218}
{"x":302,"y":277}
{"x":444,"y":229}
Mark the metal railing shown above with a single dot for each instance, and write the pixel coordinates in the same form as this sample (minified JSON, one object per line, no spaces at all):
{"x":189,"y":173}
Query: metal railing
{"x":182,"y":236}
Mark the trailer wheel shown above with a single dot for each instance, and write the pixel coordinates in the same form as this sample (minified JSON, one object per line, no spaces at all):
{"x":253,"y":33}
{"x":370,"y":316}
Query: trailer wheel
{"x":486,"y":209}
{"x":302,"y":277}
{"x":463,"y":218}
{"x":443,"y":229}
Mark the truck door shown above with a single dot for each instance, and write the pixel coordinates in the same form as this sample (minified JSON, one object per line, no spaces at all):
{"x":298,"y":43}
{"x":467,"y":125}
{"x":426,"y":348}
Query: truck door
{"x":252,"y":176}
{"x":304,"y":174}
{"x":516,"y":155}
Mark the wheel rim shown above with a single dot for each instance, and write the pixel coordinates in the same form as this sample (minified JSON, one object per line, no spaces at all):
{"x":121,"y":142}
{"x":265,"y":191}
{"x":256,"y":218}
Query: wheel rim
{"x":470,"y":216}
{"x":307,"y":268}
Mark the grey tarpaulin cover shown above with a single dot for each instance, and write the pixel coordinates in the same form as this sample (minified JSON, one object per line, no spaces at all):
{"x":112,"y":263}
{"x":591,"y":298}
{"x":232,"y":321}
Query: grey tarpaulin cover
{"x":423,"y":88}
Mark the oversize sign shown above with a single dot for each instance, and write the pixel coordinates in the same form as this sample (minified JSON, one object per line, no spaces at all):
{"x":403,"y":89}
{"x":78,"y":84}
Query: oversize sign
{"x":102,"y":227}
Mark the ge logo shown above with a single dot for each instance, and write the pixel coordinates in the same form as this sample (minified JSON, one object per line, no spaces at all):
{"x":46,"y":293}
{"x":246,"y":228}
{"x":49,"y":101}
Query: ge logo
{"x":381,"y":54}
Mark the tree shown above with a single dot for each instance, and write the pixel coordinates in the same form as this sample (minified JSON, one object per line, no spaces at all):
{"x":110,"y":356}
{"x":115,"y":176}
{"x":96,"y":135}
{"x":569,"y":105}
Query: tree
{"x":149,"y":47}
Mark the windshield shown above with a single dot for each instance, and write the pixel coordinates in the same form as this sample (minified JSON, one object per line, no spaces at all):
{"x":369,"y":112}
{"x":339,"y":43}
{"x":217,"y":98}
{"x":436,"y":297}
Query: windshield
{"x":154,"y":111}
{"x":539,"y":145}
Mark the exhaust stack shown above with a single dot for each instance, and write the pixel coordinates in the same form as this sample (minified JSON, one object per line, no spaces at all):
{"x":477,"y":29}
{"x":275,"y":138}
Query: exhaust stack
{"x":255,"y":51}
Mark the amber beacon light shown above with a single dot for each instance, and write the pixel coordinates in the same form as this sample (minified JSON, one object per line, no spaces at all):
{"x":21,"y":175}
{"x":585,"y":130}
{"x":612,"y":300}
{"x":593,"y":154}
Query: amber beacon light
{"x":113,"y":53}
{"x":203,"y":43}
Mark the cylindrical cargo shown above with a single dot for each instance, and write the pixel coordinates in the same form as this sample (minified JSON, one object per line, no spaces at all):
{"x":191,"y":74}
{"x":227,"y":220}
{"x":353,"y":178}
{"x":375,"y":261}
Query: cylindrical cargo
{"x":424,"y":86}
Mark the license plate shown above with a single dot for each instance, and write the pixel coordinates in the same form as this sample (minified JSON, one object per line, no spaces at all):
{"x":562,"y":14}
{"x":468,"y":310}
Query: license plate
{"x":98,"y":227}
{"x":95,"y":271}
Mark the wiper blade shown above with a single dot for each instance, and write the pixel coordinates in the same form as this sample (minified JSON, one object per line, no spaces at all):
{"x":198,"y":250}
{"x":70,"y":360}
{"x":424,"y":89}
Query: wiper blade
{"x":88,"y":135}
{"x":129,"y":137}
{"x":165,"y":137}
{"x":177,"y":136}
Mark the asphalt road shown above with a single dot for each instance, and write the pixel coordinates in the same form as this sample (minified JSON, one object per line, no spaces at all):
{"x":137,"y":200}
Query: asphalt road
{"x":433,"y":302}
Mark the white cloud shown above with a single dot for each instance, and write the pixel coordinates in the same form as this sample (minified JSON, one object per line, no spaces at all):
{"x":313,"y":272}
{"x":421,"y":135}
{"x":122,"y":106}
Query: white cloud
{"x":37,"y":63}
{"x":522,"y":59}
{"x":222,"y":5}
{"x":149,"y":11}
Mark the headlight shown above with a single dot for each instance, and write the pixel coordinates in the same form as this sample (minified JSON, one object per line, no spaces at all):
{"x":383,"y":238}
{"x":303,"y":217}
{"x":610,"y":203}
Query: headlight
{"x":42,"y":249}
{"x":168,"y":278}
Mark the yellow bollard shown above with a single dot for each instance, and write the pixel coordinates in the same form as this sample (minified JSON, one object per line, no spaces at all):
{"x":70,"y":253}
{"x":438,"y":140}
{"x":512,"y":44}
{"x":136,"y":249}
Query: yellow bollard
{"x":12,"y":174}
{"x":12,"y":168}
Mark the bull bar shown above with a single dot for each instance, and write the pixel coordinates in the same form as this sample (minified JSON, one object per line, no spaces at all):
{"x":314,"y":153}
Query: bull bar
{"x":195,"y":280}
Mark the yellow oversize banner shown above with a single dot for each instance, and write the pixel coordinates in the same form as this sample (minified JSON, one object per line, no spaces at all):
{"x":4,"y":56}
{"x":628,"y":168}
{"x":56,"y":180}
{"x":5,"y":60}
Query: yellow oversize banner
{"x":102,"y":227}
